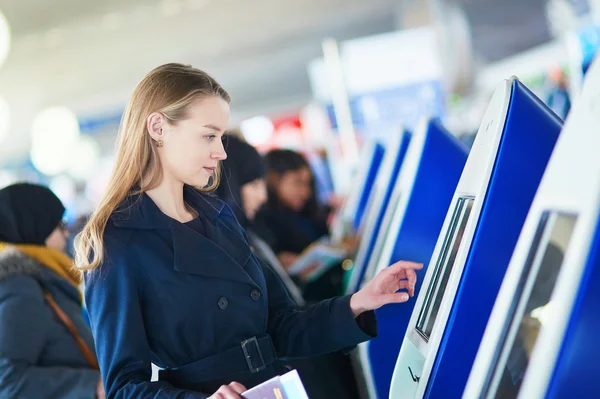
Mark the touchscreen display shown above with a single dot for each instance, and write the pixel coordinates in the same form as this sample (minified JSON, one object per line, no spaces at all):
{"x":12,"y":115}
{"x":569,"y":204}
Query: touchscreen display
{"x":531,"y":304}
{"x":443,"y":266}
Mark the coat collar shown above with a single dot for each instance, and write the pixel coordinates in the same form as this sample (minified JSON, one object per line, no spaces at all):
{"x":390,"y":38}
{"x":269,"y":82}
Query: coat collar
{"x":225,"y":261}
{"x":138,"y":211}
{"x":223,"y":257}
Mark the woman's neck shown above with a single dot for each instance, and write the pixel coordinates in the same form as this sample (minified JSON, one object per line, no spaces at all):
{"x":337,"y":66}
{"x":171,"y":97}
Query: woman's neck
{"x":168,"y":197}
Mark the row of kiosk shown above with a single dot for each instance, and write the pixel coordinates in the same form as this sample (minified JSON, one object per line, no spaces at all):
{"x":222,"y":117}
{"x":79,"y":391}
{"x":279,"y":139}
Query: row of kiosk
{"x":509,"y":234}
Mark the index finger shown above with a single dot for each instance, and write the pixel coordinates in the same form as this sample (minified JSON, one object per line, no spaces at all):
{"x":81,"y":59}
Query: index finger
{"x":405,"y":265}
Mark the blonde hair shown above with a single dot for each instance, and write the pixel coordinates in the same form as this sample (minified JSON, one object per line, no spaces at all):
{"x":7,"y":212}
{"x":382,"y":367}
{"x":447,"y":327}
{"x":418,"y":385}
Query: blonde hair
{"x":168,"y":89}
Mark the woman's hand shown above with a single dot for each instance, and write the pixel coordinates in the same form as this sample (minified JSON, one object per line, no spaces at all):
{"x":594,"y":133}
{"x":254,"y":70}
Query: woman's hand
{"x":231,"y":391}
{"x":287,"y":259}
{"x":305,"y":274}
{"x":383,"y":288}
{"x":350,"y":243}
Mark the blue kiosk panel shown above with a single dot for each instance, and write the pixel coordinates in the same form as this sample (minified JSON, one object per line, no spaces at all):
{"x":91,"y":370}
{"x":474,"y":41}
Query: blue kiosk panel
{"x":530,"y":132}
{"x":363,"y":200}
{"x":433,"y":183}
{"x":360,"y":266}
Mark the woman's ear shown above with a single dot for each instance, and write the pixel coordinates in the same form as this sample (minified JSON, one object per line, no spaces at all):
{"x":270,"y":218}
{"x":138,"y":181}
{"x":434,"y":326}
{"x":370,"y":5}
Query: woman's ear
{"x":155,"y":123}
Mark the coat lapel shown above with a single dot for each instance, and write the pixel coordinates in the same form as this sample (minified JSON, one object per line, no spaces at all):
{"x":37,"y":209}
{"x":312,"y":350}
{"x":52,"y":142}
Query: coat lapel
{"x":196,"y":254}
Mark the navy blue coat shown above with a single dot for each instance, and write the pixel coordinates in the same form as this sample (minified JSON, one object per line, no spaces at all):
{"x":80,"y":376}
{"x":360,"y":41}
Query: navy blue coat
{"x":39,"y":358}
{"x":169,"y":295}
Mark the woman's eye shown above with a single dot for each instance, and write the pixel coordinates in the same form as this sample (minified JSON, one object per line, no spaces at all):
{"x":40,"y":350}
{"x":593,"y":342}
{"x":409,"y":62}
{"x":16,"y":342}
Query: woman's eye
{"x":211,"y":137}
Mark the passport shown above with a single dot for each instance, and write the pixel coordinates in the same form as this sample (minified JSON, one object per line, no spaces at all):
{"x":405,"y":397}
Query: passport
{"x":286,"y":386}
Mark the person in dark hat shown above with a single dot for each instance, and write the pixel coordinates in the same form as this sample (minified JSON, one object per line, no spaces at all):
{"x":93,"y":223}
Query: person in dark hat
{"x":243,"y":187}
{"x":46,"y":347}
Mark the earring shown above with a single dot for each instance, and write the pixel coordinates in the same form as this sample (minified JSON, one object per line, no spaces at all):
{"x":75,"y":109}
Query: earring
{"x":159,"y":143}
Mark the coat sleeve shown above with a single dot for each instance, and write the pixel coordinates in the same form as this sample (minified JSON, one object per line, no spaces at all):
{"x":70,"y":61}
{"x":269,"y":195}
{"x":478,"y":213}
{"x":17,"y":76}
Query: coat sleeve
{"x":24,"y":321}
{"x":114,"y":306}
{"x":324,"y":327}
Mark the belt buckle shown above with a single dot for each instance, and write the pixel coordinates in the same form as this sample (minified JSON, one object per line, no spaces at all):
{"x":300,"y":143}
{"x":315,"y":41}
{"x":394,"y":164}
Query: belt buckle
{"x":245,"y":344}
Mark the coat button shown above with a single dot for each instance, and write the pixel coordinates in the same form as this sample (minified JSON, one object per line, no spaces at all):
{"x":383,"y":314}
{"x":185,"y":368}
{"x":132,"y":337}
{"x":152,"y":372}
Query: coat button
{"x":255,"y":294}
{"x":223,"y":302}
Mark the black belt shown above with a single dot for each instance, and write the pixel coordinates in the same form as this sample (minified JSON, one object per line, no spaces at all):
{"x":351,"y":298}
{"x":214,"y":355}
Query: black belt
{"x":251,"y":356}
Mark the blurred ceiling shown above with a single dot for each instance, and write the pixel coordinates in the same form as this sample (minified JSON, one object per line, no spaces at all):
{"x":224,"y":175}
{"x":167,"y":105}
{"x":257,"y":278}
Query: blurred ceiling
{"x":89,"y":55}
{"x":504,"y":27}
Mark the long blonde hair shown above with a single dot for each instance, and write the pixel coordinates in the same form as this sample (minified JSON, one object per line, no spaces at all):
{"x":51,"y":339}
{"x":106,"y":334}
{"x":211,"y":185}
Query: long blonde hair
{"x":168,"y":89}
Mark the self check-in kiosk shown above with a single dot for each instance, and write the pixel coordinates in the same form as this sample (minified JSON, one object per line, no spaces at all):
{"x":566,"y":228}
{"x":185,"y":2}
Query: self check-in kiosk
{"x":507,"y":161}
{"x":351,"y":214}
{"x":379,"y":200}
{"x":412,"y":222}
{"x":541,"y":340}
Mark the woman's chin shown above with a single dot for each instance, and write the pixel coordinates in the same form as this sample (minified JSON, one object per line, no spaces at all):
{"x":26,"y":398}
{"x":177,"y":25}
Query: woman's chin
{"x":198,"y":181}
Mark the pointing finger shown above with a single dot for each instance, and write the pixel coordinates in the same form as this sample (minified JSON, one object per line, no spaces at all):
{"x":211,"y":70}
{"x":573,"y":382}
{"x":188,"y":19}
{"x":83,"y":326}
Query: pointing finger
{"x":403,"y":266}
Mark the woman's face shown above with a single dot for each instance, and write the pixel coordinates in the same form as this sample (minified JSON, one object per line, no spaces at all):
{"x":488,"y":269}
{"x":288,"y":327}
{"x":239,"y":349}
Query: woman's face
{"x":254,"y":195}
{"x":193,"y":147}
{"x":58,"y":238}
{"x":294,"y":188}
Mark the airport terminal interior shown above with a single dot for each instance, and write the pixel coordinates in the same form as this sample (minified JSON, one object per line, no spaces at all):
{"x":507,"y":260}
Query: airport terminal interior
{"x":453,"y":140}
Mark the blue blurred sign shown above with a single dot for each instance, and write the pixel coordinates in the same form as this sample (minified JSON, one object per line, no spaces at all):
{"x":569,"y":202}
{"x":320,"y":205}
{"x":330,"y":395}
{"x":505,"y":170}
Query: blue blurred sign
{"x":93,"y":124}
{"x":404,"y":105}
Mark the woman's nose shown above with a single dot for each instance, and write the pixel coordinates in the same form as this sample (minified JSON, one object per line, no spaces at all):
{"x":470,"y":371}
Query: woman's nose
{"x":219,"y":154}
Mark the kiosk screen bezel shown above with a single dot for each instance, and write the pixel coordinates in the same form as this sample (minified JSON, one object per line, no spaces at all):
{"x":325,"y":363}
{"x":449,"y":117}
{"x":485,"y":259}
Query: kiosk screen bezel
{"x":443,"y":266}
{"x":538,"y":266}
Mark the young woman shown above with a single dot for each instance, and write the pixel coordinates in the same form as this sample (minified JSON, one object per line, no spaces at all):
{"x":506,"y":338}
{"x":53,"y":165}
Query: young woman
{"x":292,"y":214}
{"x":170,"y":276}
{"x":46,"y":347}
{"x":294,"y":219}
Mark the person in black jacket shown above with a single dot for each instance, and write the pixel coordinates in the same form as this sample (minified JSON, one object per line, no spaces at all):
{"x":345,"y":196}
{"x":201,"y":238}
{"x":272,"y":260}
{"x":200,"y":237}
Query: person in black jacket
{"x":170,"y":277}
{"x":243,"y":187}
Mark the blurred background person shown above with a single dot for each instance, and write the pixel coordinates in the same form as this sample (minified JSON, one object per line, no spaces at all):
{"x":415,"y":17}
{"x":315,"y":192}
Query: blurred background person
{"x":292,"y":213}
{"x":558,"y":97}
{"x":46,"y":347}
{"x":243,"y":187}
{"x":294,"y":219}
